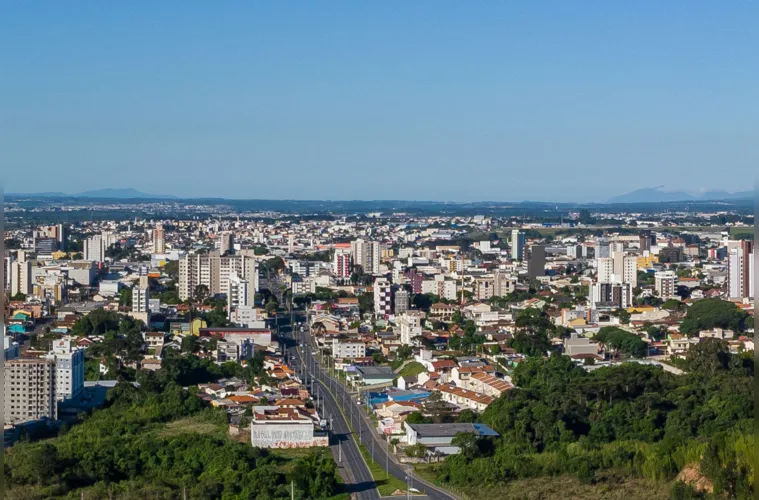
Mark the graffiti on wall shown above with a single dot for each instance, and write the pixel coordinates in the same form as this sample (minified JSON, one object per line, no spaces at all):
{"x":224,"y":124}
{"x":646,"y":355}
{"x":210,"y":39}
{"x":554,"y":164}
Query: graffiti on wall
{"x":282,"y":436}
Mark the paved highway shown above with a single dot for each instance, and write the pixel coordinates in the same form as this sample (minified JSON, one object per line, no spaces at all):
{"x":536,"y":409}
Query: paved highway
{"x":359,"y":420}
{"x":359,"y":482}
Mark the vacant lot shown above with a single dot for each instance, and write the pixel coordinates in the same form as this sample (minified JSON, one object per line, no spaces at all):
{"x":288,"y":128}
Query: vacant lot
{"x":192,"y":425}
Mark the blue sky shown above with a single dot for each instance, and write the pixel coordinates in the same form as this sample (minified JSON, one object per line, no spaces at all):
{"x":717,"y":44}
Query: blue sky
{"x":427,"y":100}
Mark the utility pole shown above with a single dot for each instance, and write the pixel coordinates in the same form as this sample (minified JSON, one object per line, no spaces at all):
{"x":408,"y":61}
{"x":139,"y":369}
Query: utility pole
{"x":292,"y":490}
{"x":340,"y":451}
{"x":387,"y":459}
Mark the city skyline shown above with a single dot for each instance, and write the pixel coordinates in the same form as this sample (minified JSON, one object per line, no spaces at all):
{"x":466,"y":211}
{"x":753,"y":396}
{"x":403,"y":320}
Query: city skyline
{"x":380,"y":102}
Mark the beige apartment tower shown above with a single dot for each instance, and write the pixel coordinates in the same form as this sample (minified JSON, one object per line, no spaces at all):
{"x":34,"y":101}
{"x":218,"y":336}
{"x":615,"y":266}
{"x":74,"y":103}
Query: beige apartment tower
{"x":29,"y":390}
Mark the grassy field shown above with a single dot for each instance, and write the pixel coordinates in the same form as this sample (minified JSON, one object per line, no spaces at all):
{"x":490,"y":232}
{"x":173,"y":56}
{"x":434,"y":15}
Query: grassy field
{"x":386,"y":484}
{"x":192,"y":425}
{"x":736,"y":231}
{"x":412,"y":369}
{"x":608,"y":486}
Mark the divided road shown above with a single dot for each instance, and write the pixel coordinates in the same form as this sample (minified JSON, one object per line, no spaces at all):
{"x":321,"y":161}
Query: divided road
{"x":331,"y":389}
{"x":359,"y":482}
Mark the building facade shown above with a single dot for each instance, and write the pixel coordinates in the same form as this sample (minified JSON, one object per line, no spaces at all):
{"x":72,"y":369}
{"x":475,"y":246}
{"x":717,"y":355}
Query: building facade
{"x":29,"y":390}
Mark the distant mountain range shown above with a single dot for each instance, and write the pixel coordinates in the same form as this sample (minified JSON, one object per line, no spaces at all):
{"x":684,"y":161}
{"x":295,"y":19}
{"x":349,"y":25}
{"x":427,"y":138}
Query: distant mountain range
{"x":127,"y":193}
{"x":658,"y":195}
{"x":647,"y":195}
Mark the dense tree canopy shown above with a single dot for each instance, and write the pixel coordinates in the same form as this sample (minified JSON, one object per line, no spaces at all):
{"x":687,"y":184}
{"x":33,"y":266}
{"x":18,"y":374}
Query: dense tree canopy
{"x":618,"y":341}
{"x":126,"y":449}
{"x":631,"y":417}
{"x":710,"y":313}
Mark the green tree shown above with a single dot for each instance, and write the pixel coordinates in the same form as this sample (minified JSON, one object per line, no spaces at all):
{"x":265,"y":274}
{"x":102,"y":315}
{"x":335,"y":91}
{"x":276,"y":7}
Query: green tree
{"x":417,"y":418}
{"x":710,"y":313}
{"x":125,"y":297}
{"x":467,"y":443}
{"x":417,"y":450}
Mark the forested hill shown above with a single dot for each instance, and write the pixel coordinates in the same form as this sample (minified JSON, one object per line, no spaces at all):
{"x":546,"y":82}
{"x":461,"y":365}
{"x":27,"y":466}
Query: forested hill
{"x":632,"y":418}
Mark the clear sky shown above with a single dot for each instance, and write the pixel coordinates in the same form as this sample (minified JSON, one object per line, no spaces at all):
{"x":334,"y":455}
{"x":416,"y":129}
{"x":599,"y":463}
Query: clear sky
{"x":427,"y":100}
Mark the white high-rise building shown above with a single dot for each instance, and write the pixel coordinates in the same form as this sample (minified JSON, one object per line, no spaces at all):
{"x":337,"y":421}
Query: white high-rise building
{"x":665,"y":283}
{"x":8,"y":261}
{"x":383,"y":297}
{"x":411,"y":326}
{"x":605,"y":270}
{"x":517,"y":244}
{"x":367,"y":255}
{"x":630,"y":270}
{"x":740,"y":270}
{"x":141,"y":296}
{"x":238,"y":295}
{"x":69,"y":369}
{"x":94,"y":249}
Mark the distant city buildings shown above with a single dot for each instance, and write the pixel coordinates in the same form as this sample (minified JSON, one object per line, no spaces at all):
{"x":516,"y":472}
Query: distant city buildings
{"x":214,"y":270}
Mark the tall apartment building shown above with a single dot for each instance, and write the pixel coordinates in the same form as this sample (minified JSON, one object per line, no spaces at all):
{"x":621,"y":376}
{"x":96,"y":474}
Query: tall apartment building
{"x":415,"y":279}
{"x":341,"y":264}
{"x":605,"y":270}
{"x":238,"y":295}
{"x":141,"y":295}
{"x":740,"y":270}
{"x":383,"y":297}
{"x":226,"y":243}
{"x":611,"y":295}
{"x":69,"y":369}
{"x":158,"y":241}
{"x":630,"y":270}
{"x":8,"y":260}
{"x":290,"y":243}
{"x":29,"y":393}
{"x":536,"y":263}
{"x":402,"y":301}
{"x":411,"y":326}
{"x":62,"y":237}
{"x":484,"y":288}
{"x":503,"y":284}
{"x":603,"y":248}
{"x":21,"y":275}
{"x":646,"y":241}
{"x":367,"y":255}
{"x":439,"y":286}
{"x":517,"y":244}
{"x":94,"y":248}
{"x":214,"y":271}
{"x":665,"y":283}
